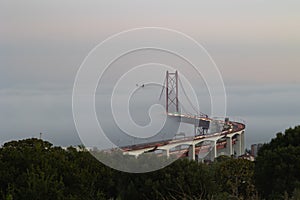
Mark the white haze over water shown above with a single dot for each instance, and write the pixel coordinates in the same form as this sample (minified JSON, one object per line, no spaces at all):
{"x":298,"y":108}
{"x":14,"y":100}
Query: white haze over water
{"x":266,"y":109}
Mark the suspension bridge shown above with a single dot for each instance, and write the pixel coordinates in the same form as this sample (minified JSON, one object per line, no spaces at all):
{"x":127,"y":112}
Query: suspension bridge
{"x":204,"y":144}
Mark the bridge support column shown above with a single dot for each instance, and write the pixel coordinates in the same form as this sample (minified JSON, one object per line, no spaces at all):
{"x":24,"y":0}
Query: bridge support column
{"x":243,"y":142}
{"x":240,"y":144}
{"x":168,"y":153}
{"x":215,"y":149}
{"x":192,"y":152}
{"x":229,"y":146}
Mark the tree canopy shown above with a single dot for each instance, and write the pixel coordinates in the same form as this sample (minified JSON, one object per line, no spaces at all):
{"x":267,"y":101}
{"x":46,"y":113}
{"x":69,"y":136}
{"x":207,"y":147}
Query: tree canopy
{"x":35,"y":169}
{"x":277,"y":167}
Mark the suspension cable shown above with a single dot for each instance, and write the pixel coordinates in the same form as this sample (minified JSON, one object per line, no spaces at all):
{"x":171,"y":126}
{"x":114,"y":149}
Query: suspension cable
{"x":193,"y":107}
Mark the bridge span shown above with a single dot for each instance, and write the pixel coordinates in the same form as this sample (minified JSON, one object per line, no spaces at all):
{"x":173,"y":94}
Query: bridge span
{"x":206,"y":146}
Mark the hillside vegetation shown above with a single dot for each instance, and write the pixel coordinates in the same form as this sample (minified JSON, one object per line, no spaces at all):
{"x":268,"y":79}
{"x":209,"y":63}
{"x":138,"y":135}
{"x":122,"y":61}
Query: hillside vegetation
{"x":35,"y":169}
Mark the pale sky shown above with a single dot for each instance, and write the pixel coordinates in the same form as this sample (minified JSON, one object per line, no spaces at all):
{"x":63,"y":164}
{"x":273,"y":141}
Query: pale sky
{"x":255,"y":44}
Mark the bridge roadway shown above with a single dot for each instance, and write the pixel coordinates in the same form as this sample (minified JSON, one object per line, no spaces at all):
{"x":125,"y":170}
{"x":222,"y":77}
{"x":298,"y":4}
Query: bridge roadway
{"x":237,"y":133}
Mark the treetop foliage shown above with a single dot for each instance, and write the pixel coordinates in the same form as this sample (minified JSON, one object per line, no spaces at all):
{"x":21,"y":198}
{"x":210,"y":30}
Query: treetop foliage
{"x":35,"y":169}
{"x":277,"y":167}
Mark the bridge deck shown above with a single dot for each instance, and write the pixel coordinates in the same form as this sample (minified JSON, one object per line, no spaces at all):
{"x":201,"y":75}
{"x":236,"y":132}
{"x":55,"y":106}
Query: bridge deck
{"x":237,"y":126}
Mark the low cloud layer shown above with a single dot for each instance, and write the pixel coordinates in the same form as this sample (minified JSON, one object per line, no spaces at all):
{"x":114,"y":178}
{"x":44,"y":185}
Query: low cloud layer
{"x":266,"y":110}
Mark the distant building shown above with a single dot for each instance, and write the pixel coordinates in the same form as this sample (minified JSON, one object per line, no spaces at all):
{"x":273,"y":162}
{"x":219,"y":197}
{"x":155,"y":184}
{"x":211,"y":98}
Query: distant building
{"x":247,"y":156}
{"x":255,"y":148}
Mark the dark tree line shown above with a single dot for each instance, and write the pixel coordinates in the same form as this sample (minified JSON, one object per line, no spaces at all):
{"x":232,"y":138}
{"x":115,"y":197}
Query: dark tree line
{"x":277,"y":167}
{"x":35,"y":169}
